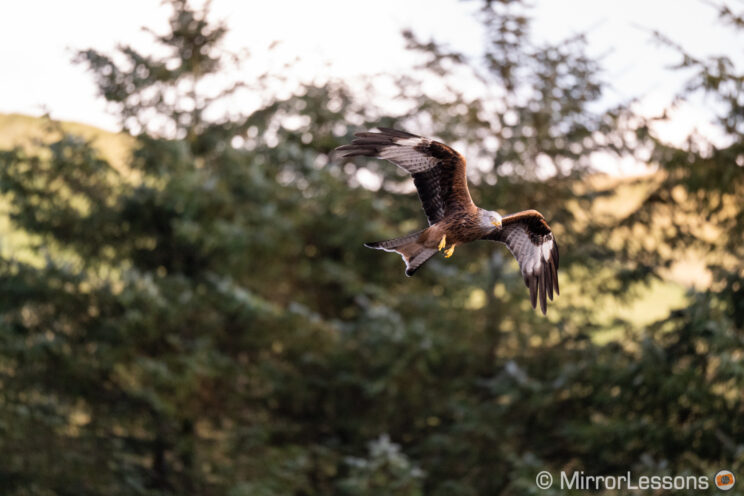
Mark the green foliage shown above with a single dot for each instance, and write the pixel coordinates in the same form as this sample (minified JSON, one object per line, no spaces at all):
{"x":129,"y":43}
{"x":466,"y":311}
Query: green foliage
{"x":205,"y":320}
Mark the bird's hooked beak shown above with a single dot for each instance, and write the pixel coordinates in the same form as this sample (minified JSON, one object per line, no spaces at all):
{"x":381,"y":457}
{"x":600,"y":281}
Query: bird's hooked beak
{"x":496,"y":223}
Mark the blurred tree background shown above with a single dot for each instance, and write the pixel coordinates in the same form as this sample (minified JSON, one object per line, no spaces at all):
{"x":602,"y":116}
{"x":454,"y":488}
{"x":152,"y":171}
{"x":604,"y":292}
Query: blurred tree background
{"x":198,"y":315}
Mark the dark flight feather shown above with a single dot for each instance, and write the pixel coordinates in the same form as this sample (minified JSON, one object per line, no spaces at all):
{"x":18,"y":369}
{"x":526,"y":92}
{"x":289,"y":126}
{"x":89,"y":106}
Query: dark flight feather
{"x":438,"y":171}
{"x":529,"y":238}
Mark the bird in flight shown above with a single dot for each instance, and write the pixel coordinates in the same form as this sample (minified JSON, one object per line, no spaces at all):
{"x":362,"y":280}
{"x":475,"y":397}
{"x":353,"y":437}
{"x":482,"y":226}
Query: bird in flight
{"x":439,"y":176}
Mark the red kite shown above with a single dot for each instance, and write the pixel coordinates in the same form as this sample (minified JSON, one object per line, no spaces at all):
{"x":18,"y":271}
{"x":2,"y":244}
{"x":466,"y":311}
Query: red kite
{"x":439,"y":175}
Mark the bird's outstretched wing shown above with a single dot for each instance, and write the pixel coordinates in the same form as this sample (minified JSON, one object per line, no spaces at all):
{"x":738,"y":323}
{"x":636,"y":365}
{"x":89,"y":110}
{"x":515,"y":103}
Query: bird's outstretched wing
{"x":531,"y":241}
{"x":438,"y":171}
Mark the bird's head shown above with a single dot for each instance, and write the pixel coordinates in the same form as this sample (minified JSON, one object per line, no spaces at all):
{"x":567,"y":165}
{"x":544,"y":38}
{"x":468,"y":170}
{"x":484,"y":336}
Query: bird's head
{"x":490,"y":219}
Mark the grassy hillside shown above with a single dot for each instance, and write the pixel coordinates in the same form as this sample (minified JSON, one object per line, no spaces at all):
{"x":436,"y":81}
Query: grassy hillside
{"x":25,"y":131}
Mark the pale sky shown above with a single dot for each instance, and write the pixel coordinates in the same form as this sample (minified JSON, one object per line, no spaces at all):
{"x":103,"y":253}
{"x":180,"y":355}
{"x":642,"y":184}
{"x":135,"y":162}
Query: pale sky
{"x":344,"y":39}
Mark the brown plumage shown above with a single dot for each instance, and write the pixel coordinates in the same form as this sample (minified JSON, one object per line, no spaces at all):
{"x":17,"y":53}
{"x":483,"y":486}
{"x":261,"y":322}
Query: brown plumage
{"x":438,"y":172}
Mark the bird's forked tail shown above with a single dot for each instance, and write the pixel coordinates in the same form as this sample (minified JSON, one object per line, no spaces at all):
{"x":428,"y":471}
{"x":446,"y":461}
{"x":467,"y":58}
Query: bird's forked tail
{"x":410,"y":247}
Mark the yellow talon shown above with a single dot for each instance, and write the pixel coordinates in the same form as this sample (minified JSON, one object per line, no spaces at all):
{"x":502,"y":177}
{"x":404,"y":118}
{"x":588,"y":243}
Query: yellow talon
{"x":448,"y":253}
{"x":442,"y":243}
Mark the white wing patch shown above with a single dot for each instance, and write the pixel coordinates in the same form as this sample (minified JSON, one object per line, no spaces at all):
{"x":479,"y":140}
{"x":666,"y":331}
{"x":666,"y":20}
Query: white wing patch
{"x":411,"y":141}
{"x":537,"y":262}
{"x":404,"y":154}
{"x":530,"y":256}
{"x":518,"y":242}
{"x":547,"y":247}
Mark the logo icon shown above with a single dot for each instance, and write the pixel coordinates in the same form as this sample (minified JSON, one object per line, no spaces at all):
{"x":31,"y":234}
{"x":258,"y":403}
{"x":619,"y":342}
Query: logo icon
{"x":544,"y":480}
{"x":725,"y":480}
